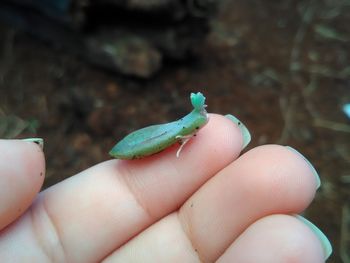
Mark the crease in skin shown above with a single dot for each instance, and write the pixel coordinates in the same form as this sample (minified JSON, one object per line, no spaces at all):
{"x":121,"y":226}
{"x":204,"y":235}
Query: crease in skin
{"x":47,"y":237}
{"x":194,"y":250}
{"x":125,"y":175}
{"x":164,"y":241}
{"x":185,"y":223}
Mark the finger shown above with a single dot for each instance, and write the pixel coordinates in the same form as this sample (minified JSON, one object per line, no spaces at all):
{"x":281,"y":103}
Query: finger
{"x":274,"y":239}
{"x":266,"y":180}
{"x":22,"y":168}
{"x":110,"y":203}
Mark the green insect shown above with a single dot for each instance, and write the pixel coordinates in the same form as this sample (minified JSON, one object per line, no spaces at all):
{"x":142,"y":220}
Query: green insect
{"x":155,"y":138}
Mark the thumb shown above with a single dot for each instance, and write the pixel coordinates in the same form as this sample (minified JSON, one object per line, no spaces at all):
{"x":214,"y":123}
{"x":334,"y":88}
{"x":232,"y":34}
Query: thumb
{"x":22,"y":169}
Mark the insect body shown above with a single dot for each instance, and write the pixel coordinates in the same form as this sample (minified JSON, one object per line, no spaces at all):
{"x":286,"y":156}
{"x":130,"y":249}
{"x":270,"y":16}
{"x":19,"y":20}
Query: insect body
{"x":155,"y":138}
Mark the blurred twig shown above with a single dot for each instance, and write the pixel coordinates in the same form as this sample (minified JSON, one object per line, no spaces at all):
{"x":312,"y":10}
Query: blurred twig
{"x":336,"y":126}
{"x":287,"y":106}
{"x":307,"y":92}
{"x":328,"y":32}
{"x":326,"y":72}
{"x":307,"y":17}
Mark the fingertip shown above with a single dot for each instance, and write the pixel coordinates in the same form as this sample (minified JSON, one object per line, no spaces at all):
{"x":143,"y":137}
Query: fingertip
{"x":244,"y":130}
{"x":275,"y":238}
{"x":227,"y":134}
{"x":38,"y":141}
{"x":22,"y":167}
{"x":326,"y":244}
{"x":33,"y":159}
{"x":311,"y":167}
{"x":284,"y":165}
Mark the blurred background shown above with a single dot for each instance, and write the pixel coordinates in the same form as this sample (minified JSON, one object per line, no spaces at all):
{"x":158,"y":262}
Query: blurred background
{"x":82,"y":74}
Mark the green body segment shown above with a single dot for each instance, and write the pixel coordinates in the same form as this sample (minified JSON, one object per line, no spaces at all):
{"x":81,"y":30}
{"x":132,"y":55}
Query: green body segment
{"x":155,"y":138}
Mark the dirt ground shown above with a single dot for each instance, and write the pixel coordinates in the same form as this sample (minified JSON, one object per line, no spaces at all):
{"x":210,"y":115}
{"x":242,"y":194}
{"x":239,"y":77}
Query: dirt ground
{"x":282,"y":67}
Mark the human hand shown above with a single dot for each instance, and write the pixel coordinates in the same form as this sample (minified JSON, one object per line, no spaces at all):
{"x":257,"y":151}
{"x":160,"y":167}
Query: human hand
{"x":208,"y":205}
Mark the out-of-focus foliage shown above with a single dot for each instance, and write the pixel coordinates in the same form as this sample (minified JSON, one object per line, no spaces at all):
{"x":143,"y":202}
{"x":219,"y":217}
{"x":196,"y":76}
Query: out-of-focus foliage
{"x":11,"y":125}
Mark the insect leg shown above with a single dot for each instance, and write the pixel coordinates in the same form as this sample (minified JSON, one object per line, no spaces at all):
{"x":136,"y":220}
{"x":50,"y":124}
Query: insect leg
{"x":183,"y":140}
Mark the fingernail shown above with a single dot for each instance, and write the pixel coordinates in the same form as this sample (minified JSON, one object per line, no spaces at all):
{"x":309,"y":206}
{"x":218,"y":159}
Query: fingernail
{"x":318,"y":180}
{"x":326,"y":245}
{"x":245,"y":132}
{"x":38,"y":141}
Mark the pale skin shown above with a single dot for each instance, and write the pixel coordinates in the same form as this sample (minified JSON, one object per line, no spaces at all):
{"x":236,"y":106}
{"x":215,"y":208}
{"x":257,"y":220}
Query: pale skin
{"x":208,"y":205}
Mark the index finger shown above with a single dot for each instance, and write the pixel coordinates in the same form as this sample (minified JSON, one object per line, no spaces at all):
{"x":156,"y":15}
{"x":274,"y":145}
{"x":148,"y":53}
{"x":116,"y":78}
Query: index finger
{"x":108,"y":204}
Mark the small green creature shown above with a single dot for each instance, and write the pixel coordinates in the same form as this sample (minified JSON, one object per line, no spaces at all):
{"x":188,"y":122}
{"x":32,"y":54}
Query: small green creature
{"x":155,"y":138}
